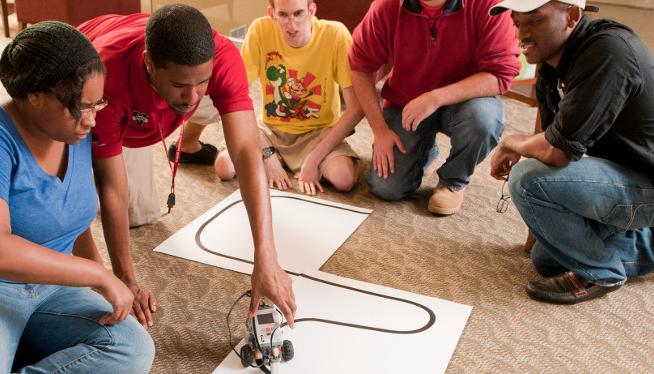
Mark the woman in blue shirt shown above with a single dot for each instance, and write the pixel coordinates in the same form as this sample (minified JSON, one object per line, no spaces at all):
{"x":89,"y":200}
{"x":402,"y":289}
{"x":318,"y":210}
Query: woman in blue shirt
{"x":50,"y":320}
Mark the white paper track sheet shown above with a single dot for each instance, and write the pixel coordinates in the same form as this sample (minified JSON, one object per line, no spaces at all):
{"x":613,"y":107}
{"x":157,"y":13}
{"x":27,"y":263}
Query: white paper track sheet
{"x":407,"y":333}
{"x":307,"y":232}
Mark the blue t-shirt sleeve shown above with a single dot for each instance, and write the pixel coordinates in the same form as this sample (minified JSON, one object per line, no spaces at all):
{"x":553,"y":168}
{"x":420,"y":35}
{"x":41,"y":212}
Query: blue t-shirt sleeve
{"x":7,"y":163}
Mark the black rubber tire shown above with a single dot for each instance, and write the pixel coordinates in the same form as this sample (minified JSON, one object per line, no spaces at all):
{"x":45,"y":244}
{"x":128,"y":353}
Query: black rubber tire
{"x":246,"y":356}
{"x":287,"y":350}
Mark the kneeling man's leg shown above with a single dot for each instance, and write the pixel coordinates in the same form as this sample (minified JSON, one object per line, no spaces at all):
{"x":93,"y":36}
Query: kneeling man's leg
{"x":409,"y":166}
{"x":589,"y":217}
{"x":474,"y":127}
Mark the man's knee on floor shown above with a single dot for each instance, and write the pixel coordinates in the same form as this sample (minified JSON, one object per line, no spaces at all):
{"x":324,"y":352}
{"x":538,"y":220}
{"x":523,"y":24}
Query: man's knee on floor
{"x":343,"y":182}
{"x":390,"y":189}
{"x":341,"y":173}
{"x":224,"y":166}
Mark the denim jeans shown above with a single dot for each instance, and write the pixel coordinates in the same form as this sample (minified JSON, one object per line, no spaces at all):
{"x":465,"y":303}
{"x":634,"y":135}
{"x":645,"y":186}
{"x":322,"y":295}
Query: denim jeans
{"x":474,"y":127}
{"x":54,"y":329}
{"x":593,"y":217}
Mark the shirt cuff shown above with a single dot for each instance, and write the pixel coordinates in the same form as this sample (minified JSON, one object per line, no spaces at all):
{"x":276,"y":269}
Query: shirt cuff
{"x":573,"y":149}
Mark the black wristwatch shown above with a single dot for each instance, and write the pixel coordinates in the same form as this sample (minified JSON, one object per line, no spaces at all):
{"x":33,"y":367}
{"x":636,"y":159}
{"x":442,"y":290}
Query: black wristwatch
{"x":267,"y":152}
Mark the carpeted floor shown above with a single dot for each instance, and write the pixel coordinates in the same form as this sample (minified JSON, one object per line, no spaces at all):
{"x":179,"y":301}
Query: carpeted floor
{"x":474,"y":257}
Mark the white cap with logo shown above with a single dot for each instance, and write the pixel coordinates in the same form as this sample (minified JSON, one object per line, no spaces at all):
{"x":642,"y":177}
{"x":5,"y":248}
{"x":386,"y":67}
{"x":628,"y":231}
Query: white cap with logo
{"x":526,"y":6}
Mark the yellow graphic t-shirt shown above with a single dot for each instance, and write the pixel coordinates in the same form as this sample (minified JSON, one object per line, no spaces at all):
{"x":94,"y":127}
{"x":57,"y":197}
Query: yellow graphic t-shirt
{"x":299,"y":85}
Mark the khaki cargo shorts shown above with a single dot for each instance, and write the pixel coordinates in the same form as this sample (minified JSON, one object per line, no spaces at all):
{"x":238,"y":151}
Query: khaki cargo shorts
{"x":292,"y":149}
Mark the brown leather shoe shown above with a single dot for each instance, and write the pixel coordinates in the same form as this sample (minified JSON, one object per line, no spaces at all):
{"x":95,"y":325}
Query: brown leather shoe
{"x":444,"y":201}
{"x":567,"y":288}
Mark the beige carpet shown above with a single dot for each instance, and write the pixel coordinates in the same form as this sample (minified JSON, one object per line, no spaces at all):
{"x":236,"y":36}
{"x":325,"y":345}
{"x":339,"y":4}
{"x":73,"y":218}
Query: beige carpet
{"x":474,"y":258}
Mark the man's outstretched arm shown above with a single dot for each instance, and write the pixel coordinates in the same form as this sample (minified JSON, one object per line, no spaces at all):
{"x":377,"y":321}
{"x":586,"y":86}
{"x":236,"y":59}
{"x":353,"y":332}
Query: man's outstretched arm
{"x":268,"y":278}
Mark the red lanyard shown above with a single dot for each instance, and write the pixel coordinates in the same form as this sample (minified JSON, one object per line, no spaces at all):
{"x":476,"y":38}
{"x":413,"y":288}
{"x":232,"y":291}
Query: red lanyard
{"x":173,"y":167}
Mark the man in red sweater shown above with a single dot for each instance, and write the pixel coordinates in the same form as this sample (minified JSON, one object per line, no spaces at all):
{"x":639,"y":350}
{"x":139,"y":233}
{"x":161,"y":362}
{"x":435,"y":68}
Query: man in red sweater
{"x":450,"y":60}
{"x":159,"y":66}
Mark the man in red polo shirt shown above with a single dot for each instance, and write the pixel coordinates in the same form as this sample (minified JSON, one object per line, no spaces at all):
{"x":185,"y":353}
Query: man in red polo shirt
{"x":158,"y":69}
{"x":450,"y":60}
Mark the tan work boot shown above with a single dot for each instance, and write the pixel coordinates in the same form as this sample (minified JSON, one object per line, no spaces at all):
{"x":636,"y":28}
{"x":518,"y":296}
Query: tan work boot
{"x":444,"y":201}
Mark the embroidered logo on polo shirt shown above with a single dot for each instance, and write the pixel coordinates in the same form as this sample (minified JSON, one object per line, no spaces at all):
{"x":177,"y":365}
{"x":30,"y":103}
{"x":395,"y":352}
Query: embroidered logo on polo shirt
{"x":140,"y":118}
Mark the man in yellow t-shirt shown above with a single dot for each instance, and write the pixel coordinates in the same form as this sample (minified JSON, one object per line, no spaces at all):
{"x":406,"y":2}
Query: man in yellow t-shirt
{"x":301,"y":62}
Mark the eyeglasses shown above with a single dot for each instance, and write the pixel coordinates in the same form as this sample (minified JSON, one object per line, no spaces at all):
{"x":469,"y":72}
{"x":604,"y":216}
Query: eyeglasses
{"x":503,"y":203}
{"x":94,"y":108}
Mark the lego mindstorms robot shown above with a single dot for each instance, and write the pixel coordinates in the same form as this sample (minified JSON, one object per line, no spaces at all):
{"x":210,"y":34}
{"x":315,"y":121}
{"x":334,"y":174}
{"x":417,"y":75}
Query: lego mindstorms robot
{"x":265,"y":347}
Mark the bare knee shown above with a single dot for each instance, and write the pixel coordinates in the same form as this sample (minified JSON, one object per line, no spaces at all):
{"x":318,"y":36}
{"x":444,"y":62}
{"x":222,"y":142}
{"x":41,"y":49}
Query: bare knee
{"x":224,"y":166}
{"x":343,"y":183}
{"x":340,"y":172}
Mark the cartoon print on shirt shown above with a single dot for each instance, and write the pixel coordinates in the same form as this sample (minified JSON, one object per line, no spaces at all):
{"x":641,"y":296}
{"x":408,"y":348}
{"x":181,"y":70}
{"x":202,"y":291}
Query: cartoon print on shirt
{"x":293,"y":97}
{"x":297,"y":94}
{"x":279,"y":107}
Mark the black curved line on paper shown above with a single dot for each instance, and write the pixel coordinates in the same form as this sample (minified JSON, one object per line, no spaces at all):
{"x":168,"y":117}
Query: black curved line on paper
{"x":432,"y":316}
{"x":198,"y":241}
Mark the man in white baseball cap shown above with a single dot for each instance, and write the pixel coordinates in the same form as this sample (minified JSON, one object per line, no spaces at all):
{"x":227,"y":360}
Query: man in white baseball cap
{"x":593,"y":217}
{"x":526,"y":6}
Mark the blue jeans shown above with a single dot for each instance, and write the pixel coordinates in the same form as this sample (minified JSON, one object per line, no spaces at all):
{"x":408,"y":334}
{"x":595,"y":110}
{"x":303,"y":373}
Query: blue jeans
{"x":593,"y":217}
{"x":474,"y":127}
{"x":54,"y":329}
